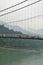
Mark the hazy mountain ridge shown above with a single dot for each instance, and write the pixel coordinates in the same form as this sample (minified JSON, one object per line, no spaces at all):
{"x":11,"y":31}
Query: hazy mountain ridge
{"x":18,"y":29}
{"x":5,"y":30}
{"x":29,"y":32}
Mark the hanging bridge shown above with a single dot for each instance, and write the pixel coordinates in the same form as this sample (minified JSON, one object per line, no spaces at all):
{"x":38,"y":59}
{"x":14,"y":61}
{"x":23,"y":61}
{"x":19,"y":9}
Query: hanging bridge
{"x":22,"y":36}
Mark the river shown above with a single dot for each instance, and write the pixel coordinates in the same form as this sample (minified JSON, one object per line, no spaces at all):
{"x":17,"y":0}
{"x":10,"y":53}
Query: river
{"x":10,"y":56}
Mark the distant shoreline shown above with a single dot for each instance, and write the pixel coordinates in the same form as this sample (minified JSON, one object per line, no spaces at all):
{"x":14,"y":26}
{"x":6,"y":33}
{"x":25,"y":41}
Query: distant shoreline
{"x":20,"y":36}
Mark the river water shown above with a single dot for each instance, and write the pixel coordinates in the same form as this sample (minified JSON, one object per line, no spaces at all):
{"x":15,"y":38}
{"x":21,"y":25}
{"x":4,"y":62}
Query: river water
{"x":10,"y":56}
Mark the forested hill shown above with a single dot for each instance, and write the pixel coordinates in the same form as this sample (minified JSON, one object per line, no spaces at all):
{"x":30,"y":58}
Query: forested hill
{"x":4,"y":30}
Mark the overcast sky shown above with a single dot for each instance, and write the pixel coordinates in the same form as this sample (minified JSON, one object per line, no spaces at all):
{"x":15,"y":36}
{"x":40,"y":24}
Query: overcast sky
{"x":28,"y":12}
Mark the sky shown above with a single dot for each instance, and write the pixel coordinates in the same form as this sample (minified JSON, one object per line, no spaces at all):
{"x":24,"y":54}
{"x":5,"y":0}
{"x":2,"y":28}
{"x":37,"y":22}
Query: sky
{"x":28,"y":12}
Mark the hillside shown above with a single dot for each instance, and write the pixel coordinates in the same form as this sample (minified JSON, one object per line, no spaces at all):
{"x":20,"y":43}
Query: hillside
{"x":4,"y":30}
{"x":30,"y":32}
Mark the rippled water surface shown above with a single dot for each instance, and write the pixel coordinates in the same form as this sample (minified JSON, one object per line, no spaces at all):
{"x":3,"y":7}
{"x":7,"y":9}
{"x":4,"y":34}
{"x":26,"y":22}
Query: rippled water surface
{"x":20,"y":57}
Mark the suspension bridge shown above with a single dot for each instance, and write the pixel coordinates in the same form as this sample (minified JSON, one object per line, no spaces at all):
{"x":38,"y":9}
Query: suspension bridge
{"x":22,"y":36}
